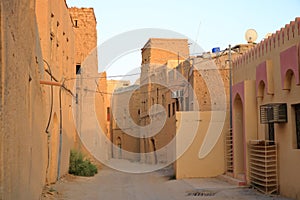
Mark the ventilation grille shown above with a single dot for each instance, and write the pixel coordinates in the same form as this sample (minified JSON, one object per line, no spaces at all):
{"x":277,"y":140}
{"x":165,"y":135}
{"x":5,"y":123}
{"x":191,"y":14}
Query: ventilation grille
{"x":202,"y":193}
{"x":263,"y":166}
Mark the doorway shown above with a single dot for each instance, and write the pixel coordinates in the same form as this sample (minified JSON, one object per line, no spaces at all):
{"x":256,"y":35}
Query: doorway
{"x":238,"y":139}
{"x":154,"y":150}
{"x":297,"y":115}
{"x":271,"y":135}
{"x":119,"y":145}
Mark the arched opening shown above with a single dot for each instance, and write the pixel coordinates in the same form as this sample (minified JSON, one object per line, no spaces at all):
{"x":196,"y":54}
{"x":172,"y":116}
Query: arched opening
{"x":154,"y":150}
{"x":288,"y":80}
{"x":261,"y":89}
{"x":238,"y":139}
{"x":119,"y":145}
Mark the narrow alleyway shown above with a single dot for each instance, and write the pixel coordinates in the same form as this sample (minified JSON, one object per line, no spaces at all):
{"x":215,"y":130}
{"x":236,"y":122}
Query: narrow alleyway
{"x":111,"y":184}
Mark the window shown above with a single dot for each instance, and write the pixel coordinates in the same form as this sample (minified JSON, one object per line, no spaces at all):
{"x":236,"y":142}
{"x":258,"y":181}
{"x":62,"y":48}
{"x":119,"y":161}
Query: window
{"x":78,"y":68}
{"x":271,"y":132}
{"x":177,"y":105}
{"x":169,"y":110}
{"x":173,"y":108}
{"x":145,"y":105}
{"x":297,"y":120}
{"x":108,"y":113}
{"x":157,"y":95}
{"x":76,"y":23}
{"x":163,"y":100}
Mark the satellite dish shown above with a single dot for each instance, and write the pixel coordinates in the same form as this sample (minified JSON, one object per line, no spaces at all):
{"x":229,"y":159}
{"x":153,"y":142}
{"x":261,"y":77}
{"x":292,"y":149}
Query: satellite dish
{"x":251,"y":35}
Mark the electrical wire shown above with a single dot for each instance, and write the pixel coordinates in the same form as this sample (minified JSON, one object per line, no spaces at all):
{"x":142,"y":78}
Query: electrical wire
{"x":63,"y":86}
{"x":114,"y":93}
{"x":51,"y":98}
{"x":98,"y":77}
{"x":49,"y":120}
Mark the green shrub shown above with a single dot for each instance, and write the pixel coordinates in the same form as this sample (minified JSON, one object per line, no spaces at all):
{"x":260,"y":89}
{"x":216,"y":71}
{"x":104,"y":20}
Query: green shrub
{"x":81,"y":166}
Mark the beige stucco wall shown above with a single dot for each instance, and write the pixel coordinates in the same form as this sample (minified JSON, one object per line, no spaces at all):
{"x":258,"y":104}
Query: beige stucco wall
{"x":189,"y":164}
{"x":125,"y":119}
{"x":244,"y":129}
{"x":23,"y":154}
{"x":101,"y":101}
{"x":115,"y":84}
{"x":89,"y":106}
{"x":285,"y":134}
{"x":111,"y":86}
{"x":39,"y":36}
{"x":57,"y":43}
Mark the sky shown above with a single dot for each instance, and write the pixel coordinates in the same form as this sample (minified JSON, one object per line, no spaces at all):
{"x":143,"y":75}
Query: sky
{"x":214,"y":23}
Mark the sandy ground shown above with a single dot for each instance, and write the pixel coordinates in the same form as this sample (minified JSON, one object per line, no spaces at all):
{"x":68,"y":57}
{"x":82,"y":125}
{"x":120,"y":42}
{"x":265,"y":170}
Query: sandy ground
{"x":112,"y":184}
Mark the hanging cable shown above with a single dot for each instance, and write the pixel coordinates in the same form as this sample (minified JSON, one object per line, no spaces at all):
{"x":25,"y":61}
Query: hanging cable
{"x":105,"y":77}
{"x":51,"y":98}
{"x":49,"y":120}
{"x":63,"y":86}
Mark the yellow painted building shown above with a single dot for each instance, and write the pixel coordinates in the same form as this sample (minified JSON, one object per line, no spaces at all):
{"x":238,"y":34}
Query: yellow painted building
{"x":266,"y":99}
{"x":203,"y":123}
{"x":204,"y":119}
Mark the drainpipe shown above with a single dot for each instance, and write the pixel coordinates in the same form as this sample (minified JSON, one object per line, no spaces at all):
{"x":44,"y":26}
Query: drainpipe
{"x":60,"y":121}
{"x":52,"y":83}
{"x":230,"y":88}
{"x":60,"y":135}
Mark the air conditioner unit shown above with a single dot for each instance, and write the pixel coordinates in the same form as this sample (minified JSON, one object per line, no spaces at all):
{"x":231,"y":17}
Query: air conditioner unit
{"x":273,"y":113}
{"x":174,"y":95}
{"x":177,"y":94}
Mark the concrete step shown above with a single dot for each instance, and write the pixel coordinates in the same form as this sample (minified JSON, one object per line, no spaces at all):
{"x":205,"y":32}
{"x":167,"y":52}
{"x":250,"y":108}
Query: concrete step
{"x":240,"y":176}
{"x":231,"y":180}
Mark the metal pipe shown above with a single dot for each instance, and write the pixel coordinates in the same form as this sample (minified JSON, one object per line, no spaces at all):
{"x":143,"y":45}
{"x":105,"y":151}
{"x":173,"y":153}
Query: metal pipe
{"x":50,"y":83}
{"x":49,"y":121}
{"x":60,"y":135}
{"x":60,"y":121}
{"x":230,"y":87}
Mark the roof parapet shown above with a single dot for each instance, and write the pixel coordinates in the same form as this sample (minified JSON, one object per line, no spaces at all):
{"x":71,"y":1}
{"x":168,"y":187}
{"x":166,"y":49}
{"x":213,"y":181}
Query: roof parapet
{"x":277,"y":39}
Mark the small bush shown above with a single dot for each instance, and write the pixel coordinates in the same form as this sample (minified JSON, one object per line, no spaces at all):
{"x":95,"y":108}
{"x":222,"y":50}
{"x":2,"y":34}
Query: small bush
{"x":80,"y":166}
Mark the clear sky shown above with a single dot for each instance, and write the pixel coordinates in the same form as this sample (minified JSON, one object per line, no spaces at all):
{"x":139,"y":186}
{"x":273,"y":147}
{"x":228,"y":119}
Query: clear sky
{"x":211,"y":23}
